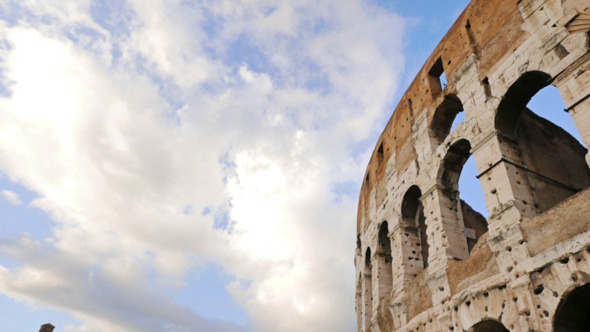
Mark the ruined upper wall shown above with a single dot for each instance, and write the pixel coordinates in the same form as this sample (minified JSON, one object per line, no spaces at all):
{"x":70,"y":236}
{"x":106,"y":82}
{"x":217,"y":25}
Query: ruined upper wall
{"x":425,"y":260}
{"x":489,"y":30}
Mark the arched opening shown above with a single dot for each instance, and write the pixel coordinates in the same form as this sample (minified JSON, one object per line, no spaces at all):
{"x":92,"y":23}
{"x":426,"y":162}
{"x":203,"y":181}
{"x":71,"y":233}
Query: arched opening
{"x":547,"y":160}
{"x":367,"y":291}
{"x":470,"y":188}
{"x":573,"y":312}
{"x":474,"y":223}
{"x":384,"y":260}
{"x":458,"y":119}
{"x":414,"y":224}
{"x":443,"y":120}
{"x":489,"y":326}
{"x":548,"y":104}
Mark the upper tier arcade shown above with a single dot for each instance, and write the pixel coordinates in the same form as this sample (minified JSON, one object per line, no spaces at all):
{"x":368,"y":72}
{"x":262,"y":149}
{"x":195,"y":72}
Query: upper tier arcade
{"x":425,"y":260}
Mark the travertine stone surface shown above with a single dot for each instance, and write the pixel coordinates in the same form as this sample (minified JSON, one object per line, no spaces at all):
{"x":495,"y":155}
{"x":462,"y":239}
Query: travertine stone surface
{"x":425,"y":261}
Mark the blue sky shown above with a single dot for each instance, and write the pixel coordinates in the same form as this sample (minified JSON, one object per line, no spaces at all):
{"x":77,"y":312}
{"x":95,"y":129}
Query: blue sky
{"x":195,"y":165}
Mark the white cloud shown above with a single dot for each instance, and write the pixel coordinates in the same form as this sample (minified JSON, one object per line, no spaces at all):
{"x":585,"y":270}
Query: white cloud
{"x":249,"y":109}
{"x":11,"y":197}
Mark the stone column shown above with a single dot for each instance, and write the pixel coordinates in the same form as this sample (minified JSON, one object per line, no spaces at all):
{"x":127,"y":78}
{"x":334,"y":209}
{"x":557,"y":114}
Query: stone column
{"x":367,"y":296}
{"x":522,"y":295}
{"x":445,"y":228}
{"x":508,"y":197}
{"x":407,"y":262}
{"x":446,"y":239}
{"x":504,"y":183}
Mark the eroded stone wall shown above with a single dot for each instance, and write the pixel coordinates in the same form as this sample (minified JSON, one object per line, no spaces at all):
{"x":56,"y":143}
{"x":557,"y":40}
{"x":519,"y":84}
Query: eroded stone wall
{"x":425,"y":260}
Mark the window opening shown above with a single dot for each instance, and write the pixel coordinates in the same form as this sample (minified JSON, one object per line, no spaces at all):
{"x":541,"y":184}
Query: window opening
{"x":548,"y":159}
{"x":443,"y":80}
{"x":458,"y":119}
{"x":489,"y":326}
{"x":437,"y":78}
{"x":473,"y":207}
{"x":384,"y":260}
{"x":573,"y":313}
{"x":380,"y":155}
{"x":446,"y":117}
{"x":548,"y":104}
{"x":487,"y":88}
{"x":470,"y":187}
{"x":414,"y":223}
{"x":474,"y":223}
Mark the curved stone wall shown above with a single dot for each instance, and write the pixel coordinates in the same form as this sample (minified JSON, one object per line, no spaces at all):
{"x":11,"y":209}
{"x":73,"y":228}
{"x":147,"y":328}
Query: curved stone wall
{"x":425,"y":261}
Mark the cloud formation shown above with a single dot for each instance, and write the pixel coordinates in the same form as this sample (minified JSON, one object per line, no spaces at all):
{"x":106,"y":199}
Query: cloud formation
{"x":161,"y":136}
{"x":11,"y":197}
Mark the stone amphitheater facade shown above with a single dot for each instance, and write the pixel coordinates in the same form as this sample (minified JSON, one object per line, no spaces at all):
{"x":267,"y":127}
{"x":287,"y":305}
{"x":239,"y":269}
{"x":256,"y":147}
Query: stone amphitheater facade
{"x":425,"y":261}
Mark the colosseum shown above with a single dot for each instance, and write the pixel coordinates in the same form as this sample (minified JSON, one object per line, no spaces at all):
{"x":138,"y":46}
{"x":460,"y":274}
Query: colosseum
{"x":425,"y":260}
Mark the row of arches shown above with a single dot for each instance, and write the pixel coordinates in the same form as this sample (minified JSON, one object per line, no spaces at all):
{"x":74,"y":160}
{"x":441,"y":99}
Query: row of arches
{"x":413,"y":220}
{"x":571,"y":315}
{"x":548,"y":159}
{"x":545,"y":159}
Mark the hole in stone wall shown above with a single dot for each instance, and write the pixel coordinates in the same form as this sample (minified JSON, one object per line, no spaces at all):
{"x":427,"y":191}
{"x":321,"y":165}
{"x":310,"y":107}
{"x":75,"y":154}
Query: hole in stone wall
{"x":542,"y":143}
{"x":548,"y":104}
{"x":454,"y":177}
{"x":384,"y":242}
{"x":446,"y":117}
{"x":573,"y":312}
{"x":489,"y":326}
{"x":415,"y":222}
{"x":470,"y":188}
{"x":380,"y":155}
{"x":458,"y":119}
{"x":443,"y":80}
{"x":384,"y":260}
{"x":487,"y":88}
{"x":437,"y":77}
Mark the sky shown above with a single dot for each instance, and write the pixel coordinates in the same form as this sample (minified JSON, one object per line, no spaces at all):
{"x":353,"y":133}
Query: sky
{"x":193,"y":165}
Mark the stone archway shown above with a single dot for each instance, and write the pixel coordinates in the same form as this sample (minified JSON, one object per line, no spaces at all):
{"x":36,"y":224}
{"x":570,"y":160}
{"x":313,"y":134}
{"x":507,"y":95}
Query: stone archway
{"x":489,"y":325}
{"x":414,"y":223}
{"x":573,"y":312}
{"x":548,"y":160}
{"x":474,"y":224}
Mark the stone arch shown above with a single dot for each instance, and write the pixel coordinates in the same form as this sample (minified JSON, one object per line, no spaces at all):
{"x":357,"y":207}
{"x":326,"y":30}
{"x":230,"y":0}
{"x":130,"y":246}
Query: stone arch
{"x":547,"y":160}
{"x":383,"y":255}
{"x":517,"y":97}
{"x":471,"y":223}
{"x":445,"y":113}
{"x":573,"y":311}
{"x":490,"y":286}
{"x":414,"y":227}
{"x":488,"y":325}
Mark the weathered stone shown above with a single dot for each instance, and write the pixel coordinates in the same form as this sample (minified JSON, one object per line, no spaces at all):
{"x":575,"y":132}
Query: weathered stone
{"x":425,"y":260}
